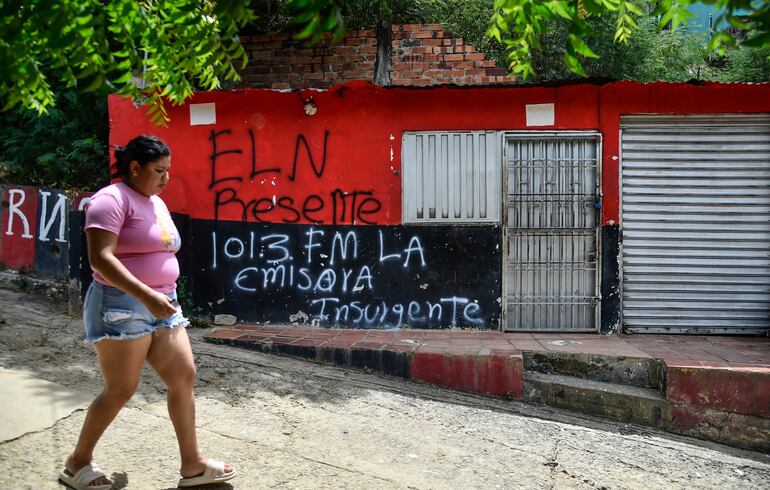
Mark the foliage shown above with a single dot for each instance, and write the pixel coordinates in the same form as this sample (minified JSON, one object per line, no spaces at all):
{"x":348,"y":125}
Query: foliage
{"x":171,"y":47}
{"x":520,"y":24}
{"x":747,"y":65}
{"x":649,"y":55}
{"x":65,"y":148}
{"x":468,"y":19}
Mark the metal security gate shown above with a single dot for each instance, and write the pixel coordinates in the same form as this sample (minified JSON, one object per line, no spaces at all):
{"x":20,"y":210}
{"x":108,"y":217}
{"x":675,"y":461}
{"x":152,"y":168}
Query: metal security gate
{"x":696,"y":224}
{"x":551,"y":273}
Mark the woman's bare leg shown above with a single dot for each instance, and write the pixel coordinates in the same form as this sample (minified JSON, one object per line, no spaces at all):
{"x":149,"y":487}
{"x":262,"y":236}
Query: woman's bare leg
{"x":171,"y":356}
{"x":121,"y":364}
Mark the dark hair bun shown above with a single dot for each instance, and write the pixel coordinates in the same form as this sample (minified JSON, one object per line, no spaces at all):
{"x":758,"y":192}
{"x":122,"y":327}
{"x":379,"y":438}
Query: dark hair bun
{"x":142,"y":149}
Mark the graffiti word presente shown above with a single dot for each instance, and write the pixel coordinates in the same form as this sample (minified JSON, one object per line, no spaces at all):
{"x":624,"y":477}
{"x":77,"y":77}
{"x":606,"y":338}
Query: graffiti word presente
{"x":346,"y":206}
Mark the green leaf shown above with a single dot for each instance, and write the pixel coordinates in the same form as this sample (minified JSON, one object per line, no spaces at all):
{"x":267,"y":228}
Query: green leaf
{"x":580,"y":47}
{"x":125,"y":78}
{"x":574,"y":64}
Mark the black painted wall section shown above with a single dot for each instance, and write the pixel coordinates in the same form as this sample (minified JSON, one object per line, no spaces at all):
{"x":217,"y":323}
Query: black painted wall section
{"x":51,"y":236}
{"x":610,"y":287}
{"x":355,"y":277}
{"x":79,"y":268}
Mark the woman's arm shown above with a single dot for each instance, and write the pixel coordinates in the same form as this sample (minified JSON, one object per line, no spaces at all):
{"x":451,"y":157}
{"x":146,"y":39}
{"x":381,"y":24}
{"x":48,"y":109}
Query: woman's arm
{"x":101,"y":255}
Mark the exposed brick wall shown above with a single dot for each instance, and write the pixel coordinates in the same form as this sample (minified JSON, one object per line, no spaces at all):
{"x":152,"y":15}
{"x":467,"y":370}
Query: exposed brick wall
{"x":276,"y":61}
{"x":420,"y":54}
{"x":426,"y":54}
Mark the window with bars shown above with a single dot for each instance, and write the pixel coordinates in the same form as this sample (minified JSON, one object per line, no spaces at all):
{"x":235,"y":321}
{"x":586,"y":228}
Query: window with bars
{"x":452,"y":177}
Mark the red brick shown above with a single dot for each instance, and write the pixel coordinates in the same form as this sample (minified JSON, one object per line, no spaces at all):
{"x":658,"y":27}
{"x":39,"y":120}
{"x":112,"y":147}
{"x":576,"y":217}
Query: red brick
{"x":411,"y":58}
{"x":432,"y":42}
{"x":499,"y":71}
{"x":473,"y":72}
{"x":474,"y":56}
{"x":411,"y":27}
{"x":258,"y":69}
{"x":261,"y":53}
{"x":256,"y":78}
{"x":422,"y":35}
{"x":432,"y":27}
{"x":354,"y":75}
{"x":453,"y":57}
{"x":401,"y":67}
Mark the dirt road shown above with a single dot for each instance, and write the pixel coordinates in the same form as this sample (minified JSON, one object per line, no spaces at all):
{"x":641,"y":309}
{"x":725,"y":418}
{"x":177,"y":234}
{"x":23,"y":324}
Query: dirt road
{"x":287,"y":423}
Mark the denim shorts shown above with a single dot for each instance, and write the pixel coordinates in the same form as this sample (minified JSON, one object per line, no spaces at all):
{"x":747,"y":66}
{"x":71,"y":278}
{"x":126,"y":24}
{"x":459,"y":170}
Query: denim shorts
{"x":109,"y":313}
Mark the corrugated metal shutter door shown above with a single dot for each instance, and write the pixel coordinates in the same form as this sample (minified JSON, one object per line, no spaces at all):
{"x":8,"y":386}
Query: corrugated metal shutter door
{"x":696,"y":223}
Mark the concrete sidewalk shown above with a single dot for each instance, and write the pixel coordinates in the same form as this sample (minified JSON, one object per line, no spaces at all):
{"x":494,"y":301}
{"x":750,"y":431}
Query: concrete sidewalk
{"x":716,"y":388}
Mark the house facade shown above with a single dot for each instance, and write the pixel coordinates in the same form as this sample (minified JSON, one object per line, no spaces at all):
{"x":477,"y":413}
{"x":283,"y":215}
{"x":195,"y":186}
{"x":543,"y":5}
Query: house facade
{"x":403,"y":181}
{"x":585,"y":207}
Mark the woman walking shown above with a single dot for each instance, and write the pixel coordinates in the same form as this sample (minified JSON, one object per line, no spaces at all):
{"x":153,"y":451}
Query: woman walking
{"x":132,"y":315}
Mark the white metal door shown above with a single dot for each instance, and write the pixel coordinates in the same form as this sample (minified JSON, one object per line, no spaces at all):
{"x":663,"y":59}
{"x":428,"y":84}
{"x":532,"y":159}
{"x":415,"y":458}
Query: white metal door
{"x":696,"y":223}
{"x":551,"y":273}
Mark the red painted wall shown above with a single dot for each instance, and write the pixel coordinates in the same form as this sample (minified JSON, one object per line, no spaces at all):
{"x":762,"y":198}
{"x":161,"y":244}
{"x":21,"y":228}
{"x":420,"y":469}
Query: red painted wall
{"x":19,"y":227}
{"x":365,"y":124}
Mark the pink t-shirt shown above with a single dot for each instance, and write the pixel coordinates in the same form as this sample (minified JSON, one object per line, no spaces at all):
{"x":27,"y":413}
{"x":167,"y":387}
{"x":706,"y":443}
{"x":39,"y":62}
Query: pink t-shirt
{"x":147,"y":237}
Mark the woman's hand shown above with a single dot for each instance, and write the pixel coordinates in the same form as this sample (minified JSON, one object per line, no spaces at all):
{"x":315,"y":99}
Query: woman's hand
{"x":101,"y":253}
{"x":159,"y":305}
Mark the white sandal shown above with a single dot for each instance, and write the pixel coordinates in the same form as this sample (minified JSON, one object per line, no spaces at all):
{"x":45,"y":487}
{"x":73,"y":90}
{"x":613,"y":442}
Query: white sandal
{"x":214,"y":473}
{"x":84,"y":476}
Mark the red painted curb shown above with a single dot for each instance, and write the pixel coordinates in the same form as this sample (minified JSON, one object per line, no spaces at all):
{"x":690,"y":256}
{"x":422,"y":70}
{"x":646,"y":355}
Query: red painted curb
{"x":494,"y":375}
{"x":729,"y":389}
